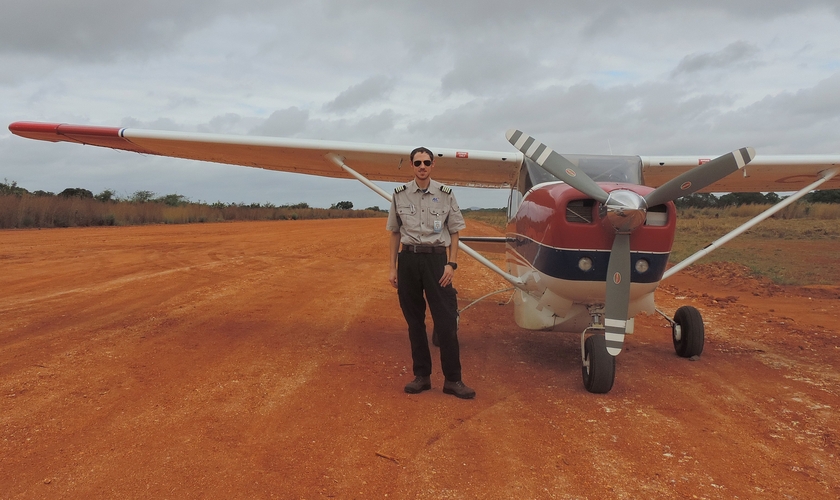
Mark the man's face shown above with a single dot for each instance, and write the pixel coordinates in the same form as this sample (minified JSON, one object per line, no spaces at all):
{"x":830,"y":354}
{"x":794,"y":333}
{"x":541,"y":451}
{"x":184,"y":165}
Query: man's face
{"x":422,"y":171}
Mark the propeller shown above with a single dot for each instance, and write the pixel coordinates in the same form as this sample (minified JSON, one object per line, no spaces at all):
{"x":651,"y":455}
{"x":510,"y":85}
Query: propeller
{"x":626,"y":210}
{"x":556,"y":164}
{"x":700,"y":177}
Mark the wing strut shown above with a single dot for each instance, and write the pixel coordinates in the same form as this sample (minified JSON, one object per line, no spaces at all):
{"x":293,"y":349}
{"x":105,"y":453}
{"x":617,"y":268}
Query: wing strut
{"x":826,"y":175}
{"x":469,"y":251}
{"x":361,"y":178}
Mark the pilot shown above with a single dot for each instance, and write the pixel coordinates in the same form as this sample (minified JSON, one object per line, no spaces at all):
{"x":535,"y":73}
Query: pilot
{"x":425,"y":219}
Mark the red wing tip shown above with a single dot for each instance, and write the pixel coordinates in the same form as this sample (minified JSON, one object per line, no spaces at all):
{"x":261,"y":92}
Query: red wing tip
{"x":41,"y":127}
{"x":36,"y":130}
{"x":54,"y":131}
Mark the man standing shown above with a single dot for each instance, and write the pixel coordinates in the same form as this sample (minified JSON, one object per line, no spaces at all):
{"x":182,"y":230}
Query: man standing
{"x":425,"y":218}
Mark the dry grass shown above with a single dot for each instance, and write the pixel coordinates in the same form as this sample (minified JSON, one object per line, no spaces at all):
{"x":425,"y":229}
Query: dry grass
{"x":820,"y":211}
{"x":28,"y":211}
{"x":496,"y":217}
{"x":796,"y":251}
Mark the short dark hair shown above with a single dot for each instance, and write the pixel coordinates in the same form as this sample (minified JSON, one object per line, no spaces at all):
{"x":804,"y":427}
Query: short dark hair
{"x":421,"y":149}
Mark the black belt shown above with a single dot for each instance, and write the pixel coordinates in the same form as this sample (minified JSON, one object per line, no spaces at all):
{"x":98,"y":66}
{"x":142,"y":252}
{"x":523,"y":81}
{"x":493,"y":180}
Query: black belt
{"x":423,"y":249}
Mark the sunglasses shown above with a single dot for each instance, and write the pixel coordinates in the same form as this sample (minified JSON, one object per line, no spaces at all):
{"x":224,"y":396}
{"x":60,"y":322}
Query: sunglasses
{"x":424,"y":162}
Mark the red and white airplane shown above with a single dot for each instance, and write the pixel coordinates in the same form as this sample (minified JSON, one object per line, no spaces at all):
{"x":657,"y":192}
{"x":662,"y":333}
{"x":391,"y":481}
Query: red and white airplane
{"x":588,"y":237}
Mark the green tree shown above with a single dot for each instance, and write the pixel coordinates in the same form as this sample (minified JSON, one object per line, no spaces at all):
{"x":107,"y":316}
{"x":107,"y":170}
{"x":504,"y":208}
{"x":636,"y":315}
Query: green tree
{"x":142,"y":196}
{"x":697,"y":200}
{"x":76,"y":193}
{"x":825,"y":196}
{"x":738,"y":199}
{"x":772,"y":198}
{"x":106,"y":195}
{"x":343,"y":205}
{"x":173,"y":200}
{"x":7,"y":188}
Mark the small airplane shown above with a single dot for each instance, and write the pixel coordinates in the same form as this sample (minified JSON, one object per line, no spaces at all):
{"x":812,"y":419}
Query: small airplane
{"x":588,"y":237}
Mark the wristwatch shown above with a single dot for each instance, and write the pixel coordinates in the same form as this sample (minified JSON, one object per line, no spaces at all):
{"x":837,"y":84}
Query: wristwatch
{"x":453,"y":265}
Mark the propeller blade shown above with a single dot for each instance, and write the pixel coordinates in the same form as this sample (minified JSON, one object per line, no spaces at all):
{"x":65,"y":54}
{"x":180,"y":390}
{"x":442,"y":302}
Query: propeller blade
{"x":700,"y":177}
{"x":555,"y":164}
{"x":618,"y":293}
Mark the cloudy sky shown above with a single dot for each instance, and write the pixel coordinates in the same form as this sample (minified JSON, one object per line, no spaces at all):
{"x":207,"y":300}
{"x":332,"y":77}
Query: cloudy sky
{"x":654,"y":77}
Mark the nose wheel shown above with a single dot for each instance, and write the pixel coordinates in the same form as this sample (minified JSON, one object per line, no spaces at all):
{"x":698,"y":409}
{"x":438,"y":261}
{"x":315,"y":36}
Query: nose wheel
{"x":598,"y":365}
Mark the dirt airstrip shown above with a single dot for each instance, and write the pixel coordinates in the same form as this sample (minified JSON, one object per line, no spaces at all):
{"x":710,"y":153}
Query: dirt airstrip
{"x":267,"y":360}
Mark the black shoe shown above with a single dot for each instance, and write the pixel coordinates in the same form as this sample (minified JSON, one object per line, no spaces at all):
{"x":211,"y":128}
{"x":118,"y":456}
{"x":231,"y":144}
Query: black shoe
{"x":458,"y":389}
{"x":418,"y":385}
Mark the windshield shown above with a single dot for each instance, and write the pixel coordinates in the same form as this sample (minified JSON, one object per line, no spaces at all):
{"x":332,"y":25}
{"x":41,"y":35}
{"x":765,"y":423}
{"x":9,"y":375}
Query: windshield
{"x":601,"y":168}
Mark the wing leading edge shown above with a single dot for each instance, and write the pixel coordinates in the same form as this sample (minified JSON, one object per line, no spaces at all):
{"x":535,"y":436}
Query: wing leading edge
{"x":765,"y":173}
{"x":486,"y":169}
{"x":471,"y":168}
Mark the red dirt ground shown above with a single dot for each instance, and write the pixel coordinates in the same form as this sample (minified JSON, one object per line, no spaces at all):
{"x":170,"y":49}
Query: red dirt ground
{"x":267,"y":360}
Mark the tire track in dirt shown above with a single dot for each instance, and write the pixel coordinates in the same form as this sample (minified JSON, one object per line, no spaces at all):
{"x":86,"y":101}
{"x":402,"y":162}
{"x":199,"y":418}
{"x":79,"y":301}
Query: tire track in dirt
{"x":268,"y":359}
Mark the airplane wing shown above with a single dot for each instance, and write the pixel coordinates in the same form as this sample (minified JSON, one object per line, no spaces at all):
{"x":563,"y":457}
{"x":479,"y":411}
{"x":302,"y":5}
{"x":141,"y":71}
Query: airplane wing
{"x":456,"y":167}
{"x":765,"y":173}
{"x":463,"y":167}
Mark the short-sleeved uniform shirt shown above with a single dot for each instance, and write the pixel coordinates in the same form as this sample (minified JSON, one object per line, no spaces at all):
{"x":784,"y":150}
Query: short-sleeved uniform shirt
{"x":425,"y":217}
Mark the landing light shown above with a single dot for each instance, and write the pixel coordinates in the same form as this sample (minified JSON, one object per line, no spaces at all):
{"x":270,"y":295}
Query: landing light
{"x":642,"y":266}
{"x":585,"y":264}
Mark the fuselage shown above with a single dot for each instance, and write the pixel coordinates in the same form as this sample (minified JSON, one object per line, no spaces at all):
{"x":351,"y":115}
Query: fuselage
{"x":559,"y":241}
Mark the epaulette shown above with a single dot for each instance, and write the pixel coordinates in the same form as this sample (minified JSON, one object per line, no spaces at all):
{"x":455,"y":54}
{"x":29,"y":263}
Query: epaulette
{"x":446,"y":189}
{"x":399,"y":189}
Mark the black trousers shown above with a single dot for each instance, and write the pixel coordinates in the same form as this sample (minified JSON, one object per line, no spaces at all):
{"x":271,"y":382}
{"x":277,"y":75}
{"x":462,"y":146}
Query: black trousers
{"x":418,"y":273}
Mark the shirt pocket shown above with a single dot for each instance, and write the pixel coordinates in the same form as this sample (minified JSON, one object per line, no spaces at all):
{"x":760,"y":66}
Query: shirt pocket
{"x":408,"y":215}
{"x":437,"y":217}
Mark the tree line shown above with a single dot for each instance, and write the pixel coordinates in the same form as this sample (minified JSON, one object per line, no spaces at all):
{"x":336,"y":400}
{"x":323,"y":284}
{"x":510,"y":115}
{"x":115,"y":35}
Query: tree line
{"x":20,"y":208}
{"x":709,"y":200}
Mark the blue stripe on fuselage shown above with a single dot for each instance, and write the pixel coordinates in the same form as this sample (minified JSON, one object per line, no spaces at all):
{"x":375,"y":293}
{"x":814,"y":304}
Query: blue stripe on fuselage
{"x":562,"y":263}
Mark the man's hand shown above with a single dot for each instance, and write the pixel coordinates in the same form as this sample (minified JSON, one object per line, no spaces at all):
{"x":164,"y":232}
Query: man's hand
{"x":448,"y":273}
{"x":394,"y":248}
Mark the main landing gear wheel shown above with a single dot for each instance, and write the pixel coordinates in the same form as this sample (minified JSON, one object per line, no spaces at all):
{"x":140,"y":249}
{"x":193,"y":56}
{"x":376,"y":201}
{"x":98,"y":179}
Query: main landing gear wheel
{"x":598,"y":365}
{"x":688,"y":332}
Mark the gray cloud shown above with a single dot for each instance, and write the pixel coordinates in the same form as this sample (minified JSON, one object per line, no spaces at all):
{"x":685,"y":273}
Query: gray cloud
{"x":294,"y":122}
{"x":375,"y":88}
{"x":650,"y":118}
{"x":283,"y":123}
{"x":805,"y":121}
{"x":582,"y":77}
{"x":738,"y":54}
{"x":100,"y":30}
{"x":222,"y":124}
{"x":484,"y":67}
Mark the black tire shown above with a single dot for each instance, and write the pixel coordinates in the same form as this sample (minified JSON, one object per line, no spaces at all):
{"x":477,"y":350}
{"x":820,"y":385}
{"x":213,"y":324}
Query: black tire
{"x":692,"y":332}
{"x":599,"y":376}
